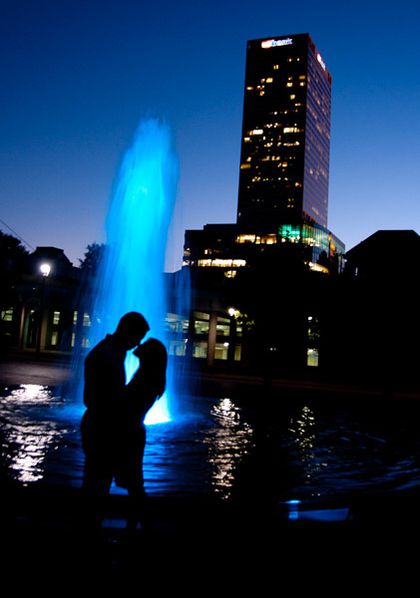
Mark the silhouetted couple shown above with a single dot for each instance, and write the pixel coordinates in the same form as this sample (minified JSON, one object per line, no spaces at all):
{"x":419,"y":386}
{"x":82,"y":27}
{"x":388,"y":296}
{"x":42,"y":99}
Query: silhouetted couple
{"x":113,"y":431}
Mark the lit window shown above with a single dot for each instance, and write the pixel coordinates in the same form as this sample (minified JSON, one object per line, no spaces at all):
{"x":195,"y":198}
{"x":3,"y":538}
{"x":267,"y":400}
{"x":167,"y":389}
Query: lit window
{"x":201,"y":323}
{"x":222,"y":263}
{"x":288,"y":232}
{"x":75,"y":314}
{"x":292,"y":130}
{"x":245,"y":166}
{"x":56,"y":318}
{"x":177,"y":348}
{"x":176,"y":323}
{"x":292,"y":96}
{"x":276,"y":67}
{"x":245,"y":239}
{"x":312,"y":359}
{"x":269,"y":240}
{"x":86,"y":320}
{"x":269,"y":80}
{"x":199,"y":350}
{"x":257,"y":132}
{"x":223,"y":327}
{"x":238,"y":353}
{"x":202,"y":315}
{"x":289,"y":84}
{"x":221,"y":351}
{"x":7,"y":314}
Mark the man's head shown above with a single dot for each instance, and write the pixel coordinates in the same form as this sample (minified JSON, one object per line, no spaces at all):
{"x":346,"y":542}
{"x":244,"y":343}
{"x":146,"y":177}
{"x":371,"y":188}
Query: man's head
{"x":131,"y":329}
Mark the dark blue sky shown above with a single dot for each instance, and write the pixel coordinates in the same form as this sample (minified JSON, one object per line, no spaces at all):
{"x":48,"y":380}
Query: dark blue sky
{"x":76,"y":77}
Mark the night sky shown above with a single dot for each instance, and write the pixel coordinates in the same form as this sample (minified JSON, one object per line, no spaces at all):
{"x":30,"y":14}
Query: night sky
{"x":77,"y":76}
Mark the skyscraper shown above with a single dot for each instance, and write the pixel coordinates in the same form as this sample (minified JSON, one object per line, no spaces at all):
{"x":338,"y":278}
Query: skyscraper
{"x":284,"y":165}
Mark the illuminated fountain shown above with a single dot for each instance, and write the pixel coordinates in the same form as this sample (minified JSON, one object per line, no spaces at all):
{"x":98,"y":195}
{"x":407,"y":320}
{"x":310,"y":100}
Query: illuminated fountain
{"x":131,"y":276}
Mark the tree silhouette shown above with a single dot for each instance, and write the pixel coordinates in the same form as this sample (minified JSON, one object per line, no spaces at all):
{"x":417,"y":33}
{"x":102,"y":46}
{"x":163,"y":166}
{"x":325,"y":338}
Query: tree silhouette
{"x":92,"y":259}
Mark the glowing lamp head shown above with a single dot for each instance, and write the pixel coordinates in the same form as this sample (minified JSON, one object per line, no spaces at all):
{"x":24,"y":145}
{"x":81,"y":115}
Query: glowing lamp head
{"x":231,"y":311}
{"x":45,"y":269}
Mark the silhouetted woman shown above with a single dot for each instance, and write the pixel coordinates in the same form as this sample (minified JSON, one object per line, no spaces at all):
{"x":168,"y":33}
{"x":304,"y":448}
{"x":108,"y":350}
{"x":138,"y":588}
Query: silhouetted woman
{"x":147,"y":385}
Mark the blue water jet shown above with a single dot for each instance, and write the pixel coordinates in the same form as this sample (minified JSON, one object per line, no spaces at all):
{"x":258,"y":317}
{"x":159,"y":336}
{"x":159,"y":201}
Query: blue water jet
{"x":131,"y":276}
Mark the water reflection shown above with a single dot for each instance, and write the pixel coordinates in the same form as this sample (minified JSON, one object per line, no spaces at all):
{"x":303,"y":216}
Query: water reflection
{"x":302,"y":430}
{"x":228,"y":442}
{"x":29,"y":394}
{"x":299,"y":450}
{"x":25,"y":442}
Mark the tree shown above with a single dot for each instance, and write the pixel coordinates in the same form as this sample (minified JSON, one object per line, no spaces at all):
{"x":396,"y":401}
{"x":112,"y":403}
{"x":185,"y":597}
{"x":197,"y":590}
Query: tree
{"x":93,"y":257}
{"x":12,"y":261}
{"x":12,"y":253}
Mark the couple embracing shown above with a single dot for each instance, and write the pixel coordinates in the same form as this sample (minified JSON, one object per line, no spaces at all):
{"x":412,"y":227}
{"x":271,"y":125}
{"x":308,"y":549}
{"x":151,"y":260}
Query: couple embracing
{"x":113,"y":432}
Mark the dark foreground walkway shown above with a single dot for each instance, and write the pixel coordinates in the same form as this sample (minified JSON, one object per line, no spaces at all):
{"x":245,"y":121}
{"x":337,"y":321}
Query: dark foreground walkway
{"x":197,"y":544}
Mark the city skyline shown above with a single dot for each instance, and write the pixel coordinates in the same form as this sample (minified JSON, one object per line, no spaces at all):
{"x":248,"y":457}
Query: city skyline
{"x":78,"y":78}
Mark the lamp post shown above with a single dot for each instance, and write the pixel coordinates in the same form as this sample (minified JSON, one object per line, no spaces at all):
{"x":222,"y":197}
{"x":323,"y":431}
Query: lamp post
{"x":45,"y":270}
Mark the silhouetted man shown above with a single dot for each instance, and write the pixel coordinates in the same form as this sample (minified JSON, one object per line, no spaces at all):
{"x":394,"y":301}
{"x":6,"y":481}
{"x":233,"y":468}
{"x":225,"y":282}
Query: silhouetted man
{"x":104,"y":383}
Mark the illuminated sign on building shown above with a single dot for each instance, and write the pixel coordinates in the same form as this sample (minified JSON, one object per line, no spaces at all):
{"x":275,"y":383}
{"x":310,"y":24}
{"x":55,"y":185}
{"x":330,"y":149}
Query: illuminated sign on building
{"x":321,"y":62}
{"x":272,"y":43}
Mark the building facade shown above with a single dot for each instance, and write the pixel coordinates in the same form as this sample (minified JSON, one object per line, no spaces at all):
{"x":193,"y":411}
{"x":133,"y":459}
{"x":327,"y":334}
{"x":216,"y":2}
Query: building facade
{"x":284,"y":166}
{"x":42,"y":313}
{"x":284,"y":169}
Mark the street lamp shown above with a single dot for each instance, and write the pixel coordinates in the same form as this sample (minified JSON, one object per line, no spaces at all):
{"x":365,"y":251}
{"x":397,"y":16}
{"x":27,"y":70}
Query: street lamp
{"x":45,"y":270}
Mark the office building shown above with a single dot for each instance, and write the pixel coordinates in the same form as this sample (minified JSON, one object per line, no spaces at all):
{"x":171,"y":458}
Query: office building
{"x":284,"y":166}
{"x":285,"y":151}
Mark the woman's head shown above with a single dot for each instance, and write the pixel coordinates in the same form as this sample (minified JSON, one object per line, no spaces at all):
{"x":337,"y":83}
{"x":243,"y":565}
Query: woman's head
{"x":152,"y":353}
{"x":153,"y":361}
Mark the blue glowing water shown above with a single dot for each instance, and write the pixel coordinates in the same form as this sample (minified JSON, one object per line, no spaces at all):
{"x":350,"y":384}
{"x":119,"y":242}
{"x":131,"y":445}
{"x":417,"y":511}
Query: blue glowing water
{"x":131,"y":277}
{"x":312,"y":454}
